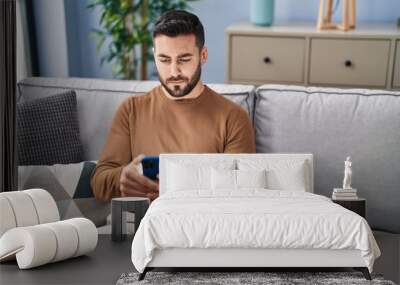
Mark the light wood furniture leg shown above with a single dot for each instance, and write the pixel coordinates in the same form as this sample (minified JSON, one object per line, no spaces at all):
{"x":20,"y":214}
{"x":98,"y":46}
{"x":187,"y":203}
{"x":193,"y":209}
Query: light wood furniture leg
{"x":345,"y":21}
{"x":321,"y":19}
{"x":325,"y":15}
{"x":348,"y":17}
{"x":353,"y":15}
{"x":329,"y":12}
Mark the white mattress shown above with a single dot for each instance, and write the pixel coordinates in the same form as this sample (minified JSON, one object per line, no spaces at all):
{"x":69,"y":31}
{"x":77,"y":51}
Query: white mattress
{"x":252,"y":218}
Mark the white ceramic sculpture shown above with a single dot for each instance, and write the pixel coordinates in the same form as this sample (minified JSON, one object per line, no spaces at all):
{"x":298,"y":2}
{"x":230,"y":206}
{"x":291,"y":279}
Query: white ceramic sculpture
{"x":26,"y":208}
{"x":31,"y":231}
{"x":347,"y":174}
{"x":37,"y":245}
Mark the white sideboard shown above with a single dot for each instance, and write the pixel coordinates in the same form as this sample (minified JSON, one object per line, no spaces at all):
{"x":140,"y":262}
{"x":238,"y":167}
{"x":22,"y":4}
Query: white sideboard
{"x":297,"y":53}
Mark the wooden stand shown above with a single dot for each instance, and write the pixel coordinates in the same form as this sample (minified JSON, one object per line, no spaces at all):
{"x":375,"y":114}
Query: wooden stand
{"x":348,"y":18}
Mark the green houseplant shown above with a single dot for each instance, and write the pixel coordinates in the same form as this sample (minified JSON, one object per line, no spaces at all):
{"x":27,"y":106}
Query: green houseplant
{"x":126,"y":28}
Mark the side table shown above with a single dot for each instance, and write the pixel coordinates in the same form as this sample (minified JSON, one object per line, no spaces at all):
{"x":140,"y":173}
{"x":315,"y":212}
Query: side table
{"x":119,"y":206}
{"x":358,"y":206}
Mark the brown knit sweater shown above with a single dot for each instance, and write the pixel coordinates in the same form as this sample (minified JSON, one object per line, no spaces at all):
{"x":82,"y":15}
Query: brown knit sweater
{"x":152,"y":123}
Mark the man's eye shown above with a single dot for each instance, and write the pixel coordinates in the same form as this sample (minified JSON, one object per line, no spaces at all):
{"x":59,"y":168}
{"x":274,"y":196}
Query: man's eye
{"x":164,"y":60}
{"x":184,"y":60}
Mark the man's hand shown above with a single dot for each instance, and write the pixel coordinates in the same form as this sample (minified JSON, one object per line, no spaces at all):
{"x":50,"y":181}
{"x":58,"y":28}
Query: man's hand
{"x":132,"y":183}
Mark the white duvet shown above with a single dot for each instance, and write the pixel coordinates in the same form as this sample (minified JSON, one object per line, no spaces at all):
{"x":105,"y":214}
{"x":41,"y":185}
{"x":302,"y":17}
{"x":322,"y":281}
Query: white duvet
{"x":252,"y":218}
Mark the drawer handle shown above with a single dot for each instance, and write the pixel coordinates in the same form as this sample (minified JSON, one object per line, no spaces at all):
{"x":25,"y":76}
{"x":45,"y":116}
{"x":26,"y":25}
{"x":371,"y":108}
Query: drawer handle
{"x":267,"y":59}
{"x":348,"y":63}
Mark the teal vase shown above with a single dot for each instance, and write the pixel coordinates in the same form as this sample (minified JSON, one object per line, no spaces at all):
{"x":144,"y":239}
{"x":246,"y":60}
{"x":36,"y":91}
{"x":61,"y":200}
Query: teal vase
{"x":262,"y":12}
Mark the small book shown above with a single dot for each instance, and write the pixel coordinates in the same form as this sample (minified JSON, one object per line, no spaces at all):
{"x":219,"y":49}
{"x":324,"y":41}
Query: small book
{"x":334,"y":197}
{"x":345,"y":194}
{"x":346,"y":199}
{"x":341,"y":190}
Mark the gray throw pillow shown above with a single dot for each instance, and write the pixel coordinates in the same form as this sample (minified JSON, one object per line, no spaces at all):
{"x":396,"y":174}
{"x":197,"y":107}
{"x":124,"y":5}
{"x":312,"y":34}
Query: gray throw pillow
{"x":48,"y":130}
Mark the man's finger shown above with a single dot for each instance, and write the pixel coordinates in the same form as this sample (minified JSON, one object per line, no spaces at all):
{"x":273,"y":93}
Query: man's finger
{"x":152,"y":185}
{"x":133,"y":192}
{"x":138,"y":159}
{"x":152,"y":196}
{"x":131,"y":184}
{"x":132,"y":173}
{"x":154,"y":191}
{"x":134,"y":176}
{"x":141,"y":187}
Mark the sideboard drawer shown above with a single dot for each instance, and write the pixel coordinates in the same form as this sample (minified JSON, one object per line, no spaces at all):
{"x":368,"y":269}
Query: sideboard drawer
{"x":267,"y":59}
{"x":396,"y":78}
{"x":349,"y":62}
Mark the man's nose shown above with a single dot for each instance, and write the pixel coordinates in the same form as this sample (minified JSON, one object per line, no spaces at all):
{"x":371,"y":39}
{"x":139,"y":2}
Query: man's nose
{"x":175,"y":70}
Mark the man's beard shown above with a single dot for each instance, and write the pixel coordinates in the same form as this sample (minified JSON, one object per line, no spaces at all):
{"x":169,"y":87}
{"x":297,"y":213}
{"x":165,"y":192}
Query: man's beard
{"x":178,"y":91}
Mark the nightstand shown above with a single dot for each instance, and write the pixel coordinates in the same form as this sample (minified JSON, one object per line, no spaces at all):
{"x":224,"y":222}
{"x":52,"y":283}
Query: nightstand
{"x":357,"y":205}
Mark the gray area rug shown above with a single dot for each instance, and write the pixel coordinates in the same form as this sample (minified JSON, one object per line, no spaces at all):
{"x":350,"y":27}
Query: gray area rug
{"x":273,"y":278}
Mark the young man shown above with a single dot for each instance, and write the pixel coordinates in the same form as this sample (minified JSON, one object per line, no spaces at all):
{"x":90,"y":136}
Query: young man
{"x":182,"y":115}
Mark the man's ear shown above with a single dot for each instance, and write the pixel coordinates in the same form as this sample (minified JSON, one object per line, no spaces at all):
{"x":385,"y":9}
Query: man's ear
{"x":203,"y":55}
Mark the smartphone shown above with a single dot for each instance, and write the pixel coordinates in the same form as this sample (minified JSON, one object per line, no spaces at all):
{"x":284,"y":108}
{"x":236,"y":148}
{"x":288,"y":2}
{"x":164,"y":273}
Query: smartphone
{"x":150,"y":165}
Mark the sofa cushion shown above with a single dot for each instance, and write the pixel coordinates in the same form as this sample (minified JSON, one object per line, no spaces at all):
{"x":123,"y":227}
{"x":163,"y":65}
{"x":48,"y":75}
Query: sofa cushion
{"x":332,"y":124}
{"x":69,"y":184}
{"x":98,"y":99}
{"x":48,"y":131}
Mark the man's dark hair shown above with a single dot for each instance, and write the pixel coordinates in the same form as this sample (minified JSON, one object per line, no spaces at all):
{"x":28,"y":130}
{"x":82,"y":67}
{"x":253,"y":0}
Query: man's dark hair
{"x":179,"y":22}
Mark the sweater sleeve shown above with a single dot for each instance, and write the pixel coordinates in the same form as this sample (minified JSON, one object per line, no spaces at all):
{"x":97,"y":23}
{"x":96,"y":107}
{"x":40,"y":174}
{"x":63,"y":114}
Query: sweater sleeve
{"x":115,"y":155}
{"x":240,"y":133}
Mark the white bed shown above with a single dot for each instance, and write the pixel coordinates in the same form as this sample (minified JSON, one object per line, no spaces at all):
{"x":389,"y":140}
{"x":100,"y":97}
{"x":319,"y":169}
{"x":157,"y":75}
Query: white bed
{"x":202,"y":220}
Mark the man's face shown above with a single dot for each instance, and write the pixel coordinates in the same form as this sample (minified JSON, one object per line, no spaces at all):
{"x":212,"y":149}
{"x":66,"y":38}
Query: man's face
{"x":178,"y":61}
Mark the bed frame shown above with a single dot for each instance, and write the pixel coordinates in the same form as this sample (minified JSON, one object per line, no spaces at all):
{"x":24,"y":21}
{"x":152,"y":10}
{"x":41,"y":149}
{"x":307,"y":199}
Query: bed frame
{"x":246,"y":258}
{"x":242,"y":259}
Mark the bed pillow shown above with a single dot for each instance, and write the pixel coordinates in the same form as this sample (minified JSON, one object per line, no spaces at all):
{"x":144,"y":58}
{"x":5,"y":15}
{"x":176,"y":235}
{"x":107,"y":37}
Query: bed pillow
{"x":69,"y":184}
{"x":281,"y":174}
{"x":186,"y":175}
{"x":225,"y":179}
{"x":251,"y":178}
{"x":48,"y":131}
{"x":182,"y":177}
